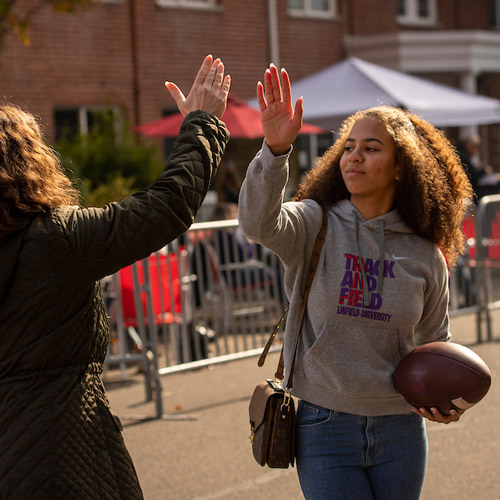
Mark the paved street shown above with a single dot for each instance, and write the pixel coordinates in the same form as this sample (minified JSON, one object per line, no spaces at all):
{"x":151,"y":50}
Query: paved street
{"x":201,"y":451}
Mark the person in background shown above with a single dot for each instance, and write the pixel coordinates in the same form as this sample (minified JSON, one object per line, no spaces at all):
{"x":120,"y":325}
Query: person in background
{"x":59,"y":438}
{"x":230,"y":185}
{"x":483,"y":178}
{"x":394,"y":193}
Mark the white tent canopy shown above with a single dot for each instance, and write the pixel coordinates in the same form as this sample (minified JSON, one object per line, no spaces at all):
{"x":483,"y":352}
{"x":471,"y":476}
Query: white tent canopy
{"x":353,"y":84}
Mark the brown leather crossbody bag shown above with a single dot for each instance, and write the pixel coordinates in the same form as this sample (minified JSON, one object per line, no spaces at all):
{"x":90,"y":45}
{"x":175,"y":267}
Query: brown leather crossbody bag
{"x":272,"y":408}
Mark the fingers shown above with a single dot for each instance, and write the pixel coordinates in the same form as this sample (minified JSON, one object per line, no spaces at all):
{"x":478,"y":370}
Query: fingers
{"x":211,"y":74}
{"x":219,"y":74}
{"x":268,"y":87}
{"x":226,"y":85}
{"x":215,"y":73}
{"x":444,"y":419}
{"x":215,"y":79}
{"x":209,"y":91}
{"x":454,"y":416}
{"x":260,"y":97}
{"x":274,"y":90}
{"x":204,"y":69}
{"x":287,"y":89}
{"x":221,"y":82}
{"x":434,"y":415}
{"x":276,"y":83}
{"x":176,"y":93}
{"x":272,"y":85}
{"x":299,"y":110}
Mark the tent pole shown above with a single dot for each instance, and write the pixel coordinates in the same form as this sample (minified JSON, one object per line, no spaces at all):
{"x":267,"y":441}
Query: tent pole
{"x":468,"y":83}
{"x":313,"y":149}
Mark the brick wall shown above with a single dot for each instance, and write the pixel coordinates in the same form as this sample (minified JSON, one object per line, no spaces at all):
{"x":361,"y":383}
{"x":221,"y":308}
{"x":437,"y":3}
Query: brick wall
{"x":105,"y":56}
{"x":74,"y":59}
{"x":463,"y":14}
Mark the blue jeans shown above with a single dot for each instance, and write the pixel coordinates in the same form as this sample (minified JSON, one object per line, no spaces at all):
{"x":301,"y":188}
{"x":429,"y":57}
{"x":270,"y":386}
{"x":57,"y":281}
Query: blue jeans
{"x":350,"y":457}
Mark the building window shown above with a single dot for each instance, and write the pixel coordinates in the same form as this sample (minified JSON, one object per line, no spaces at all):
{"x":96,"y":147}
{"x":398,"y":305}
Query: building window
{"x":312,"y":8}
{"x":420,"y":12}
{"x":70,"y":122}
{"x":199,"y":4}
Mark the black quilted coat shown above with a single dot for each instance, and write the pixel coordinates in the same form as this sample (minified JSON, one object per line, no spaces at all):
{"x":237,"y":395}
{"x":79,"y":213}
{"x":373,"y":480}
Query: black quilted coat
{"x":58,"y":437}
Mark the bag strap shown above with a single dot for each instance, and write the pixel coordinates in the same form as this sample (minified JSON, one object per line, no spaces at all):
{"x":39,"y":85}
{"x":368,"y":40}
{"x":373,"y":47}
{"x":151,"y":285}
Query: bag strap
{"x":318,"y":245}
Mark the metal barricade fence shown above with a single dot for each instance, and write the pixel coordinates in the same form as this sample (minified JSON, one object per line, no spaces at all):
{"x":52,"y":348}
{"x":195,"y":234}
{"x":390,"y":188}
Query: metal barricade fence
{"x":487,"y":236}
{"x":474,"y":282}
{"x":213,"y":296}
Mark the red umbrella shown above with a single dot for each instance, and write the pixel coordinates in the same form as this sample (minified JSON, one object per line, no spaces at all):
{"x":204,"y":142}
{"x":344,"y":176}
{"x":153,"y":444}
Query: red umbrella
{"x":241,"y":120}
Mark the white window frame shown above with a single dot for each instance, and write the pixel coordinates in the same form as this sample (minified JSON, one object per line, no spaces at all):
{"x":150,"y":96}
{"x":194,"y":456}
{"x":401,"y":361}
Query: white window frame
{"x":189,"y":4}
{"x":307,"y":11}
{"x":82,"y":113}
{"x":412,"y":17}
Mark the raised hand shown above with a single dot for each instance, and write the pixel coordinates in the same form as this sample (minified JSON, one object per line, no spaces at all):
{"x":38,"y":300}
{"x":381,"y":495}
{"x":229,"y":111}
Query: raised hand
{"x":280,"y":121}
{"x":209,"y":90}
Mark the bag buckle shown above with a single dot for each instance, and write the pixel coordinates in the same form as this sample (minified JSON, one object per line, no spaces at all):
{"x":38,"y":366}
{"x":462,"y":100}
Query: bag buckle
{"x":252,"y":435}
{"x":286,"y":399}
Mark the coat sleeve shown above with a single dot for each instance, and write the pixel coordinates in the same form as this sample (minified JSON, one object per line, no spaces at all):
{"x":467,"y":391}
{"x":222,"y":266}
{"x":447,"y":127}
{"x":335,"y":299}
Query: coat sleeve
{"x":106,"y":239}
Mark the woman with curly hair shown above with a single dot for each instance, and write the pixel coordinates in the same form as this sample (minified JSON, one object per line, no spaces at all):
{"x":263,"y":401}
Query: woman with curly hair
{"x":394,"y":194}
{"x":59,"y":438}
{"x":32,"y":179}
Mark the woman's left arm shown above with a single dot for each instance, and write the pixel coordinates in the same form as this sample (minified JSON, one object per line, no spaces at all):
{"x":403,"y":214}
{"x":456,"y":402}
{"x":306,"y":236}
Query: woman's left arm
{"x":434,"y":326}
{"x":102,"y":240}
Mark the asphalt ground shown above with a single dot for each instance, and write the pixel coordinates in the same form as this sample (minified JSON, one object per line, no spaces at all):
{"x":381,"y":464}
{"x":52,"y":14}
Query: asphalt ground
{"x":201,"y":450}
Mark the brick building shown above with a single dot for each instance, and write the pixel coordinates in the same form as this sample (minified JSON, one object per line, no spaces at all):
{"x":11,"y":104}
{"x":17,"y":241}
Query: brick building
{"x":118,"y":53}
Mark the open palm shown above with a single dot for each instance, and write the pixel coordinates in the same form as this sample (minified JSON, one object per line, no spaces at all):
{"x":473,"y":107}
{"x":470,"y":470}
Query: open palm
{"x":209,"y":91}
{"x":280,"y":121}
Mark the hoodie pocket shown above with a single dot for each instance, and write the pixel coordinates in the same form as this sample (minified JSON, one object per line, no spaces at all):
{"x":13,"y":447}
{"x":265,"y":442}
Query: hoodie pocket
{"x":355,"y":360}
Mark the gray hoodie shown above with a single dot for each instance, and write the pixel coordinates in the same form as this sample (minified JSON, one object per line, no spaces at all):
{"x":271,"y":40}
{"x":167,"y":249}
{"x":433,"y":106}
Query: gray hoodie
{"x":378,"y":292}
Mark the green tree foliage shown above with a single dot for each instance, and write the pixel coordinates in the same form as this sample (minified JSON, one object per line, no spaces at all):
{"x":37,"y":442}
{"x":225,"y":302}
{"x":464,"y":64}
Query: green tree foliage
{"x":16,"y":18}
{"x":110,"y":162}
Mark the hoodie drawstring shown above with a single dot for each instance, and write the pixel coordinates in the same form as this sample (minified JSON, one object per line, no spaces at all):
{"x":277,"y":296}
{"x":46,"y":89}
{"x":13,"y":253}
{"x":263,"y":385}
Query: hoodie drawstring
{"x":381,"y":265}
{"x":381,"y":259}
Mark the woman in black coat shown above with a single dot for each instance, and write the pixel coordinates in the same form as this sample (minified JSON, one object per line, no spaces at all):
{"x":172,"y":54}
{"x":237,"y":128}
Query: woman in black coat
{"x":58,"y":438}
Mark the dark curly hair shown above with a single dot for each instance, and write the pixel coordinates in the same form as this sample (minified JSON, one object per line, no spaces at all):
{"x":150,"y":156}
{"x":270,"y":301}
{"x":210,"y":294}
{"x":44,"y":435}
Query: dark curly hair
{"x":32,"y":179}
{"x":433,"y":192}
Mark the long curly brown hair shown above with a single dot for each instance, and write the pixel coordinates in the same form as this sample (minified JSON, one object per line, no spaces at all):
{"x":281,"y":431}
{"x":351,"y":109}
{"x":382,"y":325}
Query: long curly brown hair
{"x":433,"y":192}
{"x":32,"y":179}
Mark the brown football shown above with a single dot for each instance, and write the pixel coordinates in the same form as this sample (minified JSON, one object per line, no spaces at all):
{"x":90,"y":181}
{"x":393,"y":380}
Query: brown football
{"x":445,"y":375}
